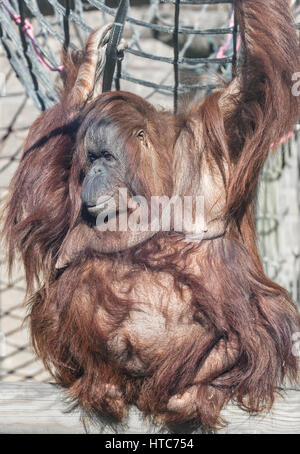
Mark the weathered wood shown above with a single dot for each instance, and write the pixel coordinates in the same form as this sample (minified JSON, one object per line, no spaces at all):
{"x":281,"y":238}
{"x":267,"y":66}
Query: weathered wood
{"x":40,"y":408}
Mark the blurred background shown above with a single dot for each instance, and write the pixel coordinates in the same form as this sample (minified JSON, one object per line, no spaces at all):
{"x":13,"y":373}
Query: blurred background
{"x":176,"y":49}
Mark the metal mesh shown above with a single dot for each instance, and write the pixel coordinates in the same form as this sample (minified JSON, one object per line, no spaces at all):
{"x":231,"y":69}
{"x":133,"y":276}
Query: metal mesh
{"x":71,"y":26}
{"x":174,"y":48}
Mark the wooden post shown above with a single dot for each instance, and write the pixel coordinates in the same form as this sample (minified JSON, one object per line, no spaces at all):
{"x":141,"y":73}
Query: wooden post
{"x":40,"y":408}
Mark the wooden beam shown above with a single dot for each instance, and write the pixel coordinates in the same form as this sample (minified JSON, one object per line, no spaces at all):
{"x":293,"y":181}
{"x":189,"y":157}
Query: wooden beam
{"x":41,"y":408}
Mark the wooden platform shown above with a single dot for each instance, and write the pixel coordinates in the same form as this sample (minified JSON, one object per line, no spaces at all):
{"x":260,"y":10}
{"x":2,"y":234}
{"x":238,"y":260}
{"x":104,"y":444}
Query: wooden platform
{"x":40,"y":408}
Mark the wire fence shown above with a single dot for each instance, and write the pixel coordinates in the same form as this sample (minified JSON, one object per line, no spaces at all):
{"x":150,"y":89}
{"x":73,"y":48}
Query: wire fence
{"x":174,"y":48}
{"x":70,"y":27}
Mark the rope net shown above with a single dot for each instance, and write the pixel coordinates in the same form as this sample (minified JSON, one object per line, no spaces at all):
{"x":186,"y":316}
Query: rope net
{"x":175,"y":48}
{"x":188,"y":57}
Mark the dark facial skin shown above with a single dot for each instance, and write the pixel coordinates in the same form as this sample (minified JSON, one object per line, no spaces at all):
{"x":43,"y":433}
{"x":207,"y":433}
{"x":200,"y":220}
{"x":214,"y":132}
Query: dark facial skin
{"x":106,"y":171}
{"x":106,"y":164}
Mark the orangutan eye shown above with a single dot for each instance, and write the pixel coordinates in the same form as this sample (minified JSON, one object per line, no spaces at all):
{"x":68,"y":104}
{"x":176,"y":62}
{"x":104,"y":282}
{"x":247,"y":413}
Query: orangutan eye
{"x":107,"y":156}
{"x":93,"y":156}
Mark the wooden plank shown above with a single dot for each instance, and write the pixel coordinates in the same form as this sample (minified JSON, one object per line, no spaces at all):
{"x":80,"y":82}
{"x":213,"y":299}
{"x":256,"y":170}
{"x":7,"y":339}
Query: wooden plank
{"x":284,"y":418}
{"x":41,"y":408}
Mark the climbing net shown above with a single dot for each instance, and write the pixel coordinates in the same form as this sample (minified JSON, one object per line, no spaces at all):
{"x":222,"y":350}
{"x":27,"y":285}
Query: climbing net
{"x":32,"y":32}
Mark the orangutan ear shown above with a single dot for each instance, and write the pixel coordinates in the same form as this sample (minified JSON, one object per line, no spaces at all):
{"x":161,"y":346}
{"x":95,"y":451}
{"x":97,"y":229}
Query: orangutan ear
{"x":141,"y":136}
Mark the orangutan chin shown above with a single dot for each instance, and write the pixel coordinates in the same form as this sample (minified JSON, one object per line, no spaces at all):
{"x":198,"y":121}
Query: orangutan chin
{"x":145,"y":317}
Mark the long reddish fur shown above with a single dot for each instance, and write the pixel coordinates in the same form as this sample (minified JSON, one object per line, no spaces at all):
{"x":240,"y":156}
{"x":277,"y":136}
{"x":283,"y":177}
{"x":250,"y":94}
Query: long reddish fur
{"x":230,"y":294}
